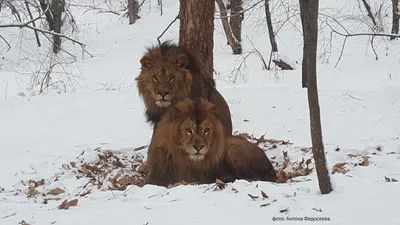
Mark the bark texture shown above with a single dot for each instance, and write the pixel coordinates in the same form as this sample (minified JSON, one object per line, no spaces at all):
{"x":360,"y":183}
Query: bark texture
{"x":196,"y":32}
{"x":395,"y":18}
{"x":235,"y":22}
{"x":133,"y":10}
{"x":271,"y":34}
{"x":310,"y":36}
{"x":58,"y":7}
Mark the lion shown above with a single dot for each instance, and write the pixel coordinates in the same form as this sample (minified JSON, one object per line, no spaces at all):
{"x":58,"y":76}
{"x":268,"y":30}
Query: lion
{"x":189,"y":144}
{"x":170,"y":74}
{"x":245,"y":160}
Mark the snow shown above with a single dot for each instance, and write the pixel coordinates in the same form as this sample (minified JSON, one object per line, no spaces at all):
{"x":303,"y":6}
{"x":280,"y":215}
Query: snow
{"x":40,"y":135}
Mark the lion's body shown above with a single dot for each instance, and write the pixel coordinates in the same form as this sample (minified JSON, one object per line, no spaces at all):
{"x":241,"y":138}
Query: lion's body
{"x":247,"y":161}
{"x":170,"y":156}
{"x":170,"y":74}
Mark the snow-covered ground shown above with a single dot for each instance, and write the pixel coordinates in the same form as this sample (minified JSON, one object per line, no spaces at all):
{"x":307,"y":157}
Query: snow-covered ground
{"x":52,"y":136}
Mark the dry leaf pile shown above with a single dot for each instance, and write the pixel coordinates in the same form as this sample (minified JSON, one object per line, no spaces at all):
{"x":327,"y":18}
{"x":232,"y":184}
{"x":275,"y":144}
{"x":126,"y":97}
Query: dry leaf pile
{"x":112,"y":171}
{"x":352,"y":161}
{"x":101,"y":170}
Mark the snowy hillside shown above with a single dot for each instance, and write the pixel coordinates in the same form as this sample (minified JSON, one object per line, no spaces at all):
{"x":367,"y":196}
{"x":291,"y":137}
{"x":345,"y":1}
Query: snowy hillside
{"x":84,"y":137}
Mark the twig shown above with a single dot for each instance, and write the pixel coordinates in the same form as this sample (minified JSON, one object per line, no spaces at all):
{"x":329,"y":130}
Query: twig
{"x":170,"y":24}
{"x":8,"y":44}
{"x":33,"y":22}
{"x":8,"y":216}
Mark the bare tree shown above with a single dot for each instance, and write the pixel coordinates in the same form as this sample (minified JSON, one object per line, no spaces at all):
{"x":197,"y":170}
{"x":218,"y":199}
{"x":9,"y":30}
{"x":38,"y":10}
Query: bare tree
{"x":57,"y":9}
{"x":235,"y":22}
{"x":232,"y":41}
{"x":395,"y":17}
{"x":196,"y":31}
{"x":272,"y":39}
{"x":310,"y":37}
{"x":133,"y":10}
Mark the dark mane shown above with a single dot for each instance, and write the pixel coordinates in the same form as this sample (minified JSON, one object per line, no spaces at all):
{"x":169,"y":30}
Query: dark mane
{"x":202,"y":84}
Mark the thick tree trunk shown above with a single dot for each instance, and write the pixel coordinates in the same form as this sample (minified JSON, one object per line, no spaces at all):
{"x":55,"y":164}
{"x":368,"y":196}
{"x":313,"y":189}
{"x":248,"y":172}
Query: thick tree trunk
{"x":133,"y":10}
{"x":57,"y":10}
{"x":395,"y":18}
{"x":235,"y":22}
{"x":196,"y":32}
{"x":235,"y":45}
{"x":310,"y":36}
{"x":272,"y":39}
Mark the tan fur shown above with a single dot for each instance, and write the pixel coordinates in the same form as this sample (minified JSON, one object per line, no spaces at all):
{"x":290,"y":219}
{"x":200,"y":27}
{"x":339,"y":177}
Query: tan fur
{"x":245,"y":160}
{"x":170,"y":69}
{"x":171,"y":156}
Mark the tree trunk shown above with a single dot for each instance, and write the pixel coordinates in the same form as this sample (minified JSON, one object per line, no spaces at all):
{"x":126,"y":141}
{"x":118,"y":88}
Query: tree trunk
{"x":235,"y":45}
{"x":395,"y":18}
{"x":304,"y":65}
{"x":310,"y":36}
{"x":272,"y":39}
{"x":235,"y":22}
{"x":133,"y":10}
{"x":57,"y":10}
{"x":369,"y":12}
{"x":196,"y":31}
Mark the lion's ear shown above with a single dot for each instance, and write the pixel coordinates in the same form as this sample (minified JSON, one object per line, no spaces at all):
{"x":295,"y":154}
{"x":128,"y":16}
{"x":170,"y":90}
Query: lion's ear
{"x":146,"y":62}
{"x":182,"y":62}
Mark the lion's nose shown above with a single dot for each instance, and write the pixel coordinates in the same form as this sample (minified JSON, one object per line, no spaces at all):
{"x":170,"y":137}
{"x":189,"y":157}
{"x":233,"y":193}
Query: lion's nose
{"x":163,"y":94}
{"x":198,"y":147}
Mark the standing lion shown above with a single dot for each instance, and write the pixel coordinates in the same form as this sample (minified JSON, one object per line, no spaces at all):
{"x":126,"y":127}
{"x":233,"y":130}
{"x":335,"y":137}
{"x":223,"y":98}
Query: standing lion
{"x":169,"y":74}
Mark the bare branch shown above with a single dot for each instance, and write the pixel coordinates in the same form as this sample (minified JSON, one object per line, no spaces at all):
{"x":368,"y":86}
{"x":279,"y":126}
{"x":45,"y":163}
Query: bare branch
{"x":8,"y":44}
{"x":170,"y":24}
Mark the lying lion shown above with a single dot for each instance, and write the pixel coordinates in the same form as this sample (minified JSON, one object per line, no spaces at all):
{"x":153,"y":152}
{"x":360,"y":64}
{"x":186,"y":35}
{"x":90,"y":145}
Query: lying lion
{"x":189,"y":145}
{"x":170,"y":74}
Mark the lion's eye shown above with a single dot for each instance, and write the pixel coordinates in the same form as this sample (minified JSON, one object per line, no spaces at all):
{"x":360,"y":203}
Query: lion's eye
{"x":155,"y":78}
{"x":188,"y":131}
{"x":206,"y":131}
{"x":171,"y":78}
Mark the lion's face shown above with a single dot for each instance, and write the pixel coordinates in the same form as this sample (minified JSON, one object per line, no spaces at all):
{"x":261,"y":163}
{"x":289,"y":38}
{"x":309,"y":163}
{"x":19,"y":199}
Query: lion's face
{"x":196,"y":139}
{"x":164,"y":80}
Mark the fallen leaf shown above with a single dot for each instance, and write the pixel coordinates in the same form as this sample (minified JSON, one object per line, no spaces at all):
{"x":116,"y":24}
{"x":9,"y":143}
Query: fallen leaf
{"x":66,"y":204}
{"x":235,"y":190}
{"x":337,"y":149}
{"x":264,"y":195}
{"x":352,"y":155}
{"x":264,"y":205}
{"x":85,"y":193}
{"x":32,"y":192}
{"x":317,"y":209}
{"x":281,"y":177}
{"x":46,"y":200}
{"x":365,"y":161}
{"x":56,"y":191}
{"x":220,"y":184}
{"x":339,"y":168}
{"x":284,"y":210}
{"x":36,"y":183}
{"x":388,"y":179}
{"x":73,"y":164}
{"x":23,"y":223}
{"x":252,"y":196}
{"x":379,"y":148}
